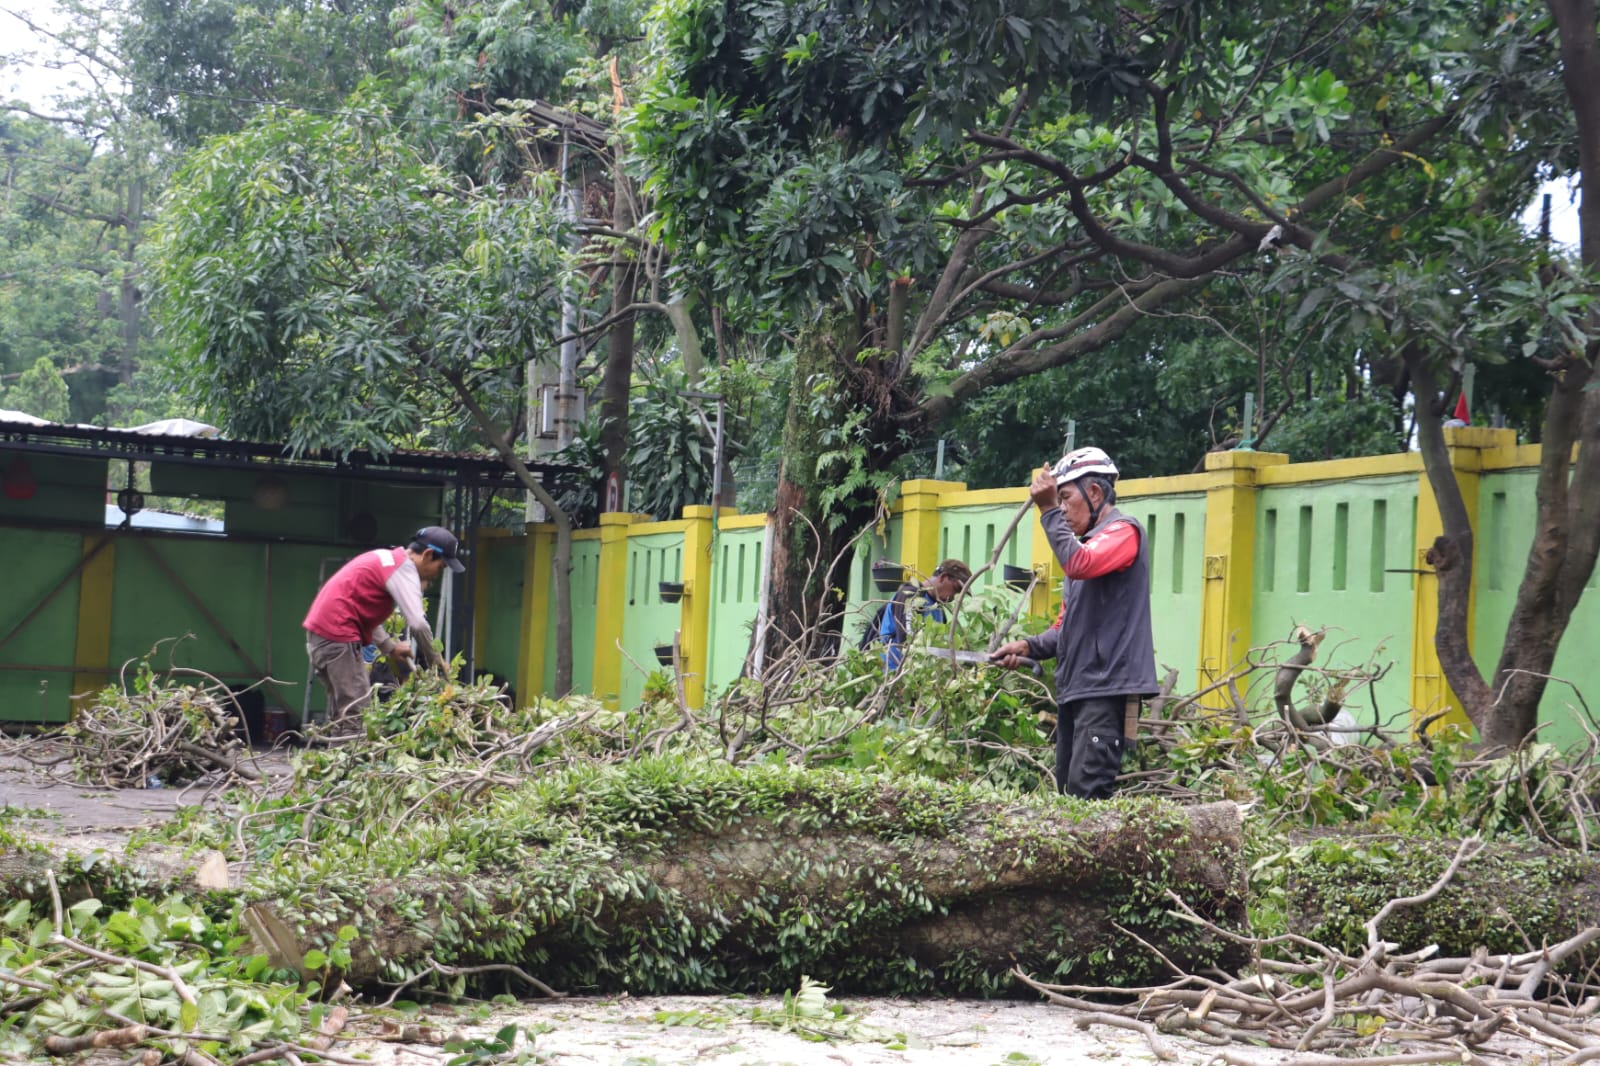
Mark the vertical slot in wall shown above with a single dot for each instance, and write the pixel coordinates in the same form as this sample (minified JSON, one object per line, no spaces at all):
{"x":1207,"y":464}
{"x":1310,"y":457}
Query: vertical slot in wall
{"x":1341,"y":545}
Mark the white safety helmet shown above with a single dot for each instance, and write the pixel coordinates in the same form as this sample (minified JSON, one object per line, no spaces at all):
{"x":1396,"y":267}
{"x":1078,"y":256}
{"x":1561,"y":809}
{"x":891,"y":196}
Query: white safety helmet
{"x":1083,"y":462}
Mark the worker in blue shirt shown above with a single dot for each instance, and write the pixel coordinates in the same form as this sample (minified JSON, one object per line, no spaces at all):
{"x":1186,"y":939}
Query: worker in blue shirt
{"x":927,"y":601}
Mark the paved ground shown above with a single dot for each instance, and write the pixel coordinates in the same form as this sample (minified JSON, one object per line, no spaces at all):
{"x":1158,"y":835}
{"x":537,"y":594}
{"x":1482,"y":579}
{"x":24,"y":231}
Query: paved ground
{"x":71,"y":808}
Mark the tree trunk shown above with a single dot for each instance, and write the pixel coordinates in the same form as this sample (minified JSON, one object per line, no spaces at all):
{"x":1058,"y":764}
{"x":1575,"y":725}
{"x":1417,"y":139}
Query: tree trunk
{"x":1557,"y":895}
{"x":1451,"y":558}
{"x":1567,"y":520}
{"x":128,"y":309}
{"x":759,"y":901}
{"x":811,"y":538}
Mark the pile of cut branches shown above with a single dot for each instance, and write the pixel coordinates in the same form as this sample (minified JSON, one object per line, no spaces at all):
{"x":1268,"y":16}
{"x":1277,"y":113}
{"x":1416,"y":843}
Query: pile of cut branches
{"x":1382,"y":1003}
{"x":152,"y":729}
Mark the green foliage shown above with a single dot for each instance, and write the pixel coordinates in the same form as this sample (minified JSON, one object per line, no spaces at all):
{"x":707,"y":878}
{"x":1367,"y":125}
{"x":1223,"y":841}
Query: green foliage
{"x":69,"y":216}
{"x":323,"y":282}
{"x":40,"y":391}
{"x":205,"y":68}
{"x":1336,"y":885}
{"x":671,"y":459}
{"x":509,"y":1044}
{"x":166,"y":964}
{"x":807,"y":1013}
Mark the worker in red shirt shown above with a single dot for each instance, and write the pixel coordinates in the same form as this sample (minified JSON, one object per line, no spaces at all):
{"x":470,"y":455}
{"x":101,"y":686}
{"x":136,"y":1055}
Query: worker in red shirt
{"x":1102,"y":641}
{"x":350,"y":611}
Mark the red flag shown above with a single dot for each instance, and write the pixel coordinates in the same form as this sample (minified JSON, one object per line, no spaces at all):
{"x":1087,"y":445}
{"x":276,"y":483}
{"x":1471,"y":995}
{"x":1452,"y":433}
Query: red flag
{"x":1461,"y":409}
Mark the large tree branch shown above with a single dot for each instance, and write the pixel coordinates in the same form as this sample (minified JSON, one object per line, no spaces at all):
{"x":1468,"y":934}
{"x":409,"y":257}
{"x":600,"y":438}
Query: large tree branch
{"x":1081,"y":335}
{"x":61,"y":120}
{"x":947,"y":301}
{"x":1021,"y":360}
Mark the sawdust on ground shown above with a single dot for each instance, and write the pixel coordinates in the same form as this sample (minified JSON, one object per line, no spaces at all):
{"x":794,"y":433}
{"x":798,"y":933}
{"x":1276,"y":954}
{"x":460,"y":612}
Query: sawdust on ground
{"x":672,"y":1030}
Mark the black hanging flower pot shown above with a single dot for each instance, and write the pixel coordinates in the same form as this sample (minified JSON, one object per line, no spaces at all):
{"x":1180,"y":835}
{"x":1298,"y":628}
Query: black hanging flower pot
{"x":671,"y":591}
{"x":1018,"y":577}
{"x":887,"y":576}
{"x":664,"y":654}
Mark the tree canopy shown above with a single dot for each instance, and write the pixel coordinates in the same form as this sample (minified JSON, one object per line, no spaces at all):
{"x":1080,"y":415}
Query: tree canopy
{"x":324,"y":281}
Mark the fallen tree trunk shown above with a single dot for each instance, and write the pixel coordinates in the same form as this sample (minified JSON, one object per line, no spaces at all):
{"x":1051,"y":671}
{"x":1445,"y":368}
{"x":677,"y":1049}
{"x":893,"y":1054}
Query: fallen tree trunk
{"x":866,"y":892}
{"x":1512,"y":896}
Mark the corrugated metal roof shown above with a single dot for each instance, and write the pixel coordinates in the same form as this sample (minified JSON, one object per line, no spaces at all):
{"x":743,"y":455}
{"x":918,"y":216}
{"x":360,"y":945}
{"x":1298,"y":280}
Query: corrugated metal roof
{"x":143,"y":445}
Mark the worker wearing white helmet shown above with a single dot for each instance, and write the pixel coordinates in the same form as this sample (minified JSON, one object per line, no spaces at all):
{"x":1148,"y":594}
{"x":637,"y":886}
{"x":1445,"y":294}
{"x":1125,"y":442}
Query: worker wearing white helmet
{"x":1102,"y":640}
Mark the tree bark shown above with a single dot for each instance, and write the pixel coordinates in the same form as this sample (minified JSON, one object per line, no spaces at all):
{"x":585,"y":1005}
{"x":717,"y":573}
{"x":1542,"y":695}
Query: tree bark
{"x":956,"y":910}
{"x":128,"y":303}
{"x":1566,"y":536}
{"x":1451,"y":557}
{"x":810,"y":542}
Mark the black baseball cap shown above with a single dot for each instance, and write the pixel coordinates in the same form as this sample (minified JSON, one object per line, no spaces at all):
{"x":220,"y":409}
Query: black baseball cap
{"x":441,"y":540}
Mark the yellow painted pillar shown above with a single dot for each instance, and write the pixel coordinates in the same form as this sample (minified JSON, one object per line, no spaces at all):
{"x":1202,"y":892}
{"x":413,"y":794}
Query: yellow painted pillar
{"x":1229,"y":571}
{"x":611,"y":605}
{"x":919,"y":524}
{"x":1046,"y":599}
{"x":698,"y":587}
{"x":1467,"y":445}
{"x":92,"y":651}
{"x":537,"y":548}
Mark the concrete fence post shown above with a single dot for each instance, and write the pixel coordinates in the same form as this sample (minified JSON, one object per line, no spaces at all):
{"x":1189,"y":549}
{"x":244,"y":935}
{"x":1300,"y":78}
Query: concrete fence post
{"x":1229,"y":570}
{"x":699,"y":584}
{"x":919,"y":524}
{"x":611,"y":608}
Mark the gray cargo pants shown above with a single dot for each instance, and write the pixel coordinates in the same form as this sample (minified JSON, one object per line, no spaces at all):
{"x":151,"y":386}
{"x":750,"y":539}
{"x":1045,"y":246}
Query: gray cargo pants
{"x":343,"y":674}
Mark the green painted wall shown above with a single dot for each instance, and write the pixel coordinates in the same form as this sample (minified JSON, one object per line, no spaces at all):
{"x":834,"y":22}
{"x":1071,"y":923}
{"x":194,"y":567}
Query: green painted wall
{"x":304,"y":506}
{"x":499,"y":646}
{"x":1505,"y":503}
{"x":737,"y":599}
{"x":585,"y":587}
{"x":970,"y":534}
{"x":66,"y":490}
{"x":1176,"y":529}
{"x":648,"y":621}
{"x":865,"y":598}
{"x":230,"y":606}
{"x":1337,"y":555}
{"x":36,"y":659}
{"x":207,"y":603}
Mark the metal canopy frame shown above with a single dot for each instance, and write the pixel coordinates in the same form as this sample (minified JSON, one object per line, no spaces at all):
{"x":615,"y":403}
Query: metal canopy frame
{"x":463,"y":469}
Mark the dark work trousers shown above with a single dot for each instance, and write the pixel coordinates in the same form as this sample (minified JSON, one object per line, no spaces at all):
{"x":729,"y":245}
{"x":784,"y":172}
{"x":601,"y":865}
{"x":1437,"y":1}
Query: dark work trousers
{"x":1089,"y":746}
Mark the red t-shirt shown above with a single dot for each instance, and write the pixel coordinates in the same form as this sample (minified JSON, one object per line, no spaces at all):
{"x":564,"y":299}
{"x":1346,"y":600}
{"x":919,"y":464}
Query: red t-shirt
{"x":356,"y":600}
